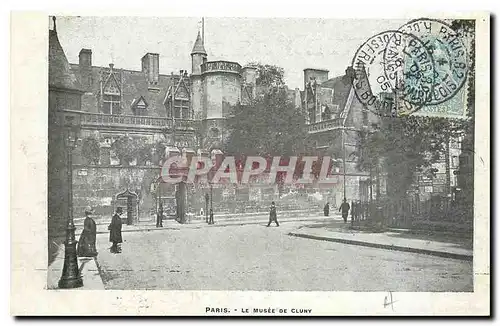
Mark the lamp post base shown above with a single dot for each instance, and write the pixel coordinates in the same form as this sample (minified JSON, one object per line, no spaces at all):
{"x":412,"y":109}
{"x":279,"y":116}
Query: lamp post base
{"x":71,"y":277}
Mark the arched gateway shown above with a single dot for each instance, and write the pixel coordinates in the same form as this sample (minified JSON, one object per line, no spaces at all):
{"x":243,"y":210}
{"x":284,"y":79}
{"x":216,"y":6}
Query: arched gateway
{"x":129,"y":202}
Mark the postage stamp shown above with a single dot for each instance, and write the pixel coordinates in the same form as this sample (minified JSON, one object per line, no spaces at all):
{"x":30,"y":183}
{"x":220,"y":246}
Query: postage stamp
{"x":230,"y":166}
{"x":422,"y":64}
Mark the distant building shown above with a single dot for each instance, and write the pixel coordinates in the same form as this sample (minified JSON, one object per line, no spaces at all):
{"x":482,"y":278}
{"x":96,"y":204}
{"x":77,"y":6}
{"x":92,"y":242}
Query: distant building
{"x":335,"y":117}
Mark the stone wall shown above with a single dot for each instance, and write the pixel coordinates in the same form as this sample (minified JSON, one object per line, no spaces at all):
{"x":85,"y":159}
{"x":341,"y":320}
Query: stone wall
{"x":97,"y":186}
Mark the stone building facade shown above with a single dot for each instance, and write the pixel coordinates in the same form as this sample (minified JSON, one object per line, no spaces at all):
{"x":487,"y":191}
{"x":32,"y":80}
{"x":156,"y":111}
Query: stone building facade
{"x":334,"y":119}
{"x":65,"y":92}
{"x":185,"y":113}
{"x":182,"y":113}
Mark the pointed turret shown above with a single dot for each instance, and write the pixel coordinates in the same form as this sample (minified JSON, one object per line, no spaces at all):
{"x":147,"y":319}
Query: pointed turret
{"x":199,"y":47}
{"x":198,"y":55}
{"x":198,"y":58}
{"x":60,"y":74}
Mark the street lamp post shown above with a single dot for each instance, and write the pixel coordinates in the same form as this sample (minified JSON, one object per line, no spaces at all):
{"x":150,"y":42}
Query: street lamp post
{"x":206,"y":207}
{"x":211,"y":196}
{"x":71,"y":277}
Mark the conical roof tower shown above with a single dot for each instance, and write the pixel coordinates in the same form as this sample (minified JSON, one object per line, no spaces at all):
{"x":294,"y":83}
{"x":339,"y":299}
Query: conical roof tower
{"x":199,"y":47}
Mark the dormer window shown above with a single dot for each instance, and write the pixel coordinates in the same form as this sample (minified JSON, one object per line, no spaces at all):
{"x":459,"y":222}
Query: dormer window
{"x":111,"y":97}
{"x":179,"y":108}
{"x":139,"y":106}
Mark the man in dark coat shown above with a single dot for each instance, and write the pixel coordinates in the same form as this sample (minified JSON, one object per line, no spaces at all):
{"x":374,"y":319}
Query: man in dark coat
{"x":86,"y":244}
{"x":159,"y":216}
{"x":345,"y":210}
{"x":272,"y":215}
{"x":211,"y":217}
{"x":326,"y":209}
{"x":115,"y":230}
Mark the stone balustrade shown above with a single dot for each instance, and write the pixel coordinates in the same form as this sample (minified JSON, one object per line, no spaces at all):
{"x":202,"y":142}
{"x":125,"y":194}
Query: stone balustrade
{"x":100,"y":120}
{"x":325,"y":126}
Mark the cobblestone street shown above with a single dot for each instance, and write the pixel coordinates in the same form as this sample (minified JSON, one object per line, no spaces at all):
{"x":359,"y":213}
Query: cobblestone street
{"x":255,"y":257}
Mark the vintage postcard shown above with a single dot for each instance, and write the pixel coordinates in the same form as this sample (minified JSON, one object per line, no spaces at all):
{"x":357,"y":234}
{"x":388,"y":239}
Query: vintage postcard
{"x":235,"y":166}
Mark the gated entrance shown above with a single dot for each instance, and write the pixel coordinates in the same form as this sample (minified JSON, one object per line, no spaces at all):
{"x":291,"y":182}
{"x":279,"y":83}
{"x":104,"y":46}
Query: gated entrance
{"x":129,"y":202}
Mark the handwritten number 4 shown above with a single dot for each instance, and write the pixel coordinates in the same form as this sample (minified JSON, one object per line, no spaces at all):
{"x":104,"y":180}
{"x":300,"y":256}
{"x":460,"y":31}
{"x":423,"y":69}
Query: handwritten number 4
{"x":388,"y":301}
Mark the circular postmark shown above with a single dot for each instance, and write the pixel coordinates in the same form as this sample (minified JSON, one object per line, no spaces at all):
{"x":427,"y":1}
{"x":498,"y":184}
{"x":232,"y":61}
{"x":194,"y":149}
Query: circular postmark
{"x":449,"y":52}
{"x":394,"y":73}
{"x":409,"y":67}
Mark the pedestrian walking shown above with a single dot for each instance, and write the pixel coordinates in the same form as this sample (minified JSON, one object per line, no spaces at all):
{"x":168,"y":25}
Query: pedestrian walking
{"x":211,"y":219}
{"x":115,"y":230}
{"x":272,"y":215}
{"x":159,"y":216}
{"x":86,"y":244}
{"x":344,"y":207}
{"x":326,"y":209}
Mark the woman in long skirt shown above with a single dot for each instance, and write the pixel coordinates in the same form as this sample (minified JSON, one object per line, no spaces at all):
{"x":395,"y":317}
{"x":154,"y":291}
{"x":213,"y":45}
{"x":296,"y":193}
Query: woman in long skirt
{"x":86,"y":245}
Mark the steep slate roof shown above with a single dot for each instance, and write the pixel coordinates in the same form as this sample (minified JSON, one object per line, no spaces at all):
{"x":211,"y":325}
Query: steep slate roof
{"x":198,"y":46}
{"x":60,"y":74}
{"x":134,"y":84}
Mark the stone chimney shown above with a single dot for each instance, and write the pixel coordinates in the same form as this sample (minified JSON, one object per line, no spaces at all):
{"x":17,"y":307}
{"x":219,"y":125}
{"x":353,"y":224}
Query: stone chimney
{"x":321,"y":75}
{"x":85,"y":63}
{"x":85,"y":58}
{"x":151,"y":68}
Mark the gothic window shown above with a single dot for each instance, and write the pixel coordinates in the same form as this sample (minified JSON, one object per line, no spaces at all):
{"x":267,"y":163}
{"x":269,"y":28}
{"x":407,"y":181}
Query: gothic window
{"x":181,"y":105}
{"x":182,"y":93}
{"x":181,"y":109}
{"x":111,"y":104}
{"x":111,"y":100}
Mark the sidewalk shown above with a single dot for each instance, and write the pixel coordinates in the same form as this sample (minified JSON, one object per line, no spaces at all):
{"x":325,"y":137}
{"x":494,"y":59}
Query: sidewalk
{"x":219,"y":222}
{"x":225,"y":216}
{"x":88,"y":268}
{"x":399,"y":240}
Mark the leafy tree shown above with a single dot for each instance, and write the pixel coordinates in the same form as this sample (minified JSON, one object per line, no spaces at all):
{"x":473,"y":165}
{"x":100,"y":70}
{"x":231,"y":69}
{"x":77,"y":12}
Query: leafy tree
{"x":127,"y":149}
{"x":143,"y":151}
{"x":91,"y":150}
{"x":467,"y":29}
{"x":269,"y":125}
{"x":269,"y":75}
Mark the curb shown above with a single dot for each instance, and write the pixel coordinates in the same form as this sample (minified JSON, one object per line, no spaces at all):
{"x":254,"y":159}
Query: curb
{"x":388,"y":247}
{"x":139,"y":230}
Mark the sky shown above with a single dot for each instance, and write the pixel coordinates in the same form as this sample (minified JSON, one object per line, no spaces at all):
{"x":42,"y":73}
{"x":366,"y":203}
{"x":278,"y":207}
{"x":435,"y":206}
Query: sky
{"x":291,"y":43}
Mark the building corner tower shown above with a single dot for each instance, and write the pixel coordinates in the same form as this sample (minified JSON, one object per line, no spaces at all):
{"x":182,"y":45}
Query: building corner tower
{"x":198,"y":58}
